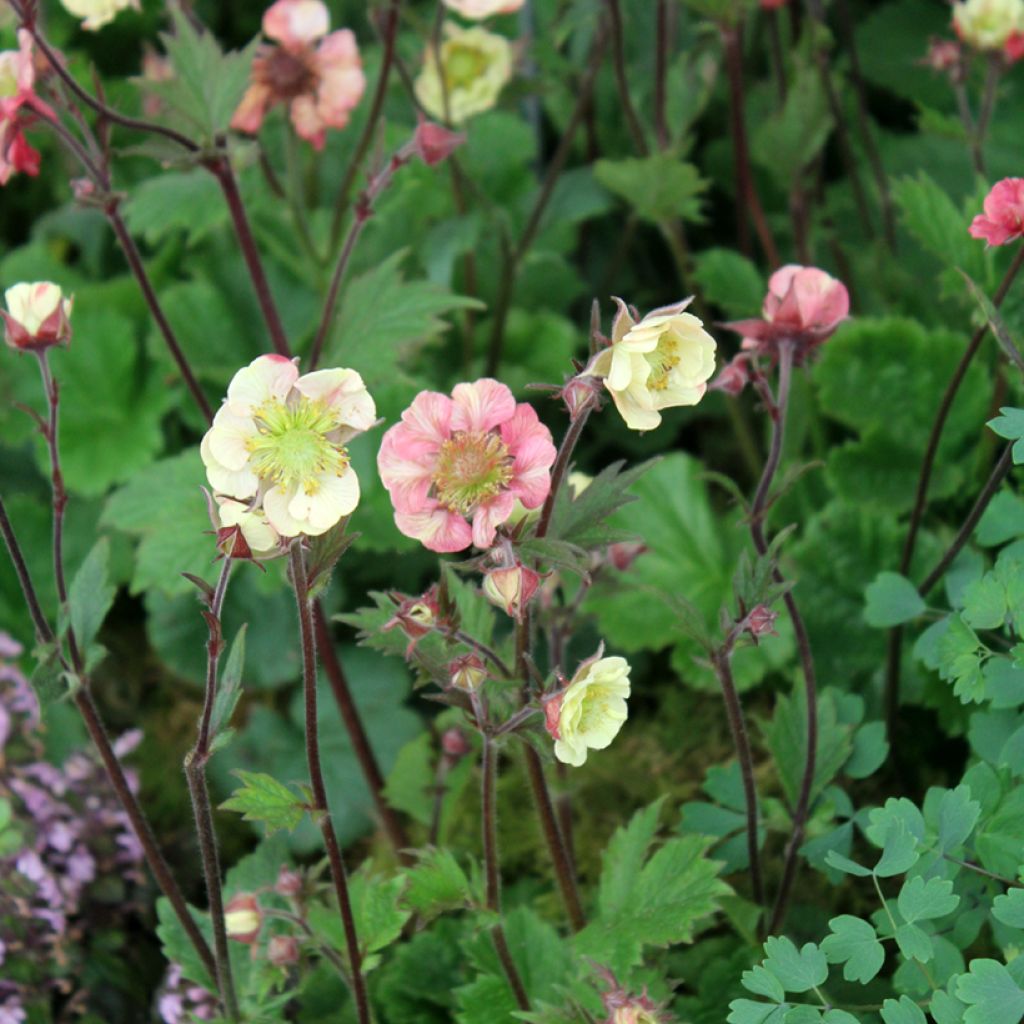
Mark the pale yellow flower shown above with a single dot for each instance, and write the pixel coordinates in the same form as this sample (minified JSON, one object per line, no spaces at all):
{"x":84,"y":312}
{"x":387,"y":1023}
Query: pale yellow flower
{"x":478,"y":9}
{"x":589,"y":712}
{"x":474,"y":66}
{"x":988,"y":24}
{"x":38,"y":315}
{"x":98,"y":13}
{"x":663,"y":361}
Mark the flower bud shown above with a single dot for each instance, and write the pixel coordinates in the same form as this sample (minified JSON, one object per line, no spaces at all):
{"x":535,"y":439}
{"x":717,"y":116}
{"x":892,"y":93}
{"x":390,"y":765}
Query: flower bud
{"x":37,"y":316}
{"x":761,"y":622}
{"x":581,"y":393}
{"x":466,"y":672}
{"x":454,"y":744}
{"x":512,"y":588}
{"x":733,"y":378}
{"x":283,"y":950}
{"x":289,"y":882}
{"x":243,"y":917}
{"x":415,"y":616}
{"x":625,"y":553}
{"x":433,"y":143}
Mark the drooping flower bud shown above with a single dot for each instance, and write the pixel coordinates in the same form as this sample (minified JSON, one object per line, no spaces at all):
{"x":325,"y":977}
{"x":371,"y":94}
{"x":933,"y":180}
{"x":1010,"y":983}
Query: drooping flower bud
{"x":243,"y":918}
{"x":622,"y":555}
{"x":580,"y":393}
{"x":512,"y":588}
{"x":283,"y":950}
{"x":467,"y":672}
{"x":761,"y":622}
{"x":454,"y":744}
{"x":433,"y":143}
{"x":289,"y":882}
{"x":415,"y":616}
{"x":37,"y":317}
{"x":734,"y":377}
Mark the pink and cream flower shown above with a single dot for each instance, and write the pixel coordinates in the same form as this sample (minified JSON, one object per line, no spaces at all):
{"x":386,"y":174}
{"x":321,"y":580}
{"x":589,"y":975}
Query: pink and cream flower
{"x":278,"y":442}
{"x":316,"y":73}
{"x":19,"y":105}
{"x":454,"y":467}
{"x":38,"y":315}
{"x":1003,"y":219}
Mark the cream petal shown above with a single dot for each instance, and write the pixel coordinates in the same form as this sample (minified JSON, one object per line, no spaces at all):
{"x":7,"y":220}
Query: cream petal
{"x":265,"y":378}
{"x":240,"y":483}
{"x":335,"y":496}
{"x":571,"y":753}
{"x":228,"y":438}
{"x":344,"y":392}
{"x":275,"y":503}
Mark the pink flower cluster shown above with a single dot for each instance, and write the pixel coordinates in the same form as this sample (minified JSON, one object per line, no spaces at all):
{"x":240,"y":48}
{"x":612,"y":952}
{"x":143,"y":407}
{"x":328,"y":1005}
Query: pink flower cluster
{"x":317,"y":74}
{"x":455,"y":467}
{"x":17,"y":94}
{"x":1003,"y":219}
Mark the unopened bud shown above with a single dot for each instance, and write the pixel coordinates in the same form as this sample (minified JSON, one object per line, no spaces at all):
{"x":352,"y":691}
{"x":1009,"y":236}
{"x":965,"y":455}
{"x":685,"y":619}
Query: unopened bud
{"x":581,"y":393}
{"x":243,"y":917}
{"x":415,"y":616}
{"x":467,"y":672}
{"x":283,"y":950}
{"x":761,"y":622}
{"x":434,"y":143}
{"x":733,"y":378}
{"x":289,"y":882}
{"x":512,"y":588}
{"x":625,"y":553}
{"x":38,"y":316}
{"x":454,"y":744}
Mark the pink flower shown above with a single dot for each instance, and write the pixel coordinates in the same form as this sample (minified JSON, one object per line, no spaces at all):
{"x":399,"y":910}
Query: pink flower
{"x":804,"y":305}
{"x":1013,"y":49}
{"x":773,"y":5}
{"x":17,"y":91}
{"x":454,"y":467}
{"x":1003,"y":219}
{"x":318,"y":75}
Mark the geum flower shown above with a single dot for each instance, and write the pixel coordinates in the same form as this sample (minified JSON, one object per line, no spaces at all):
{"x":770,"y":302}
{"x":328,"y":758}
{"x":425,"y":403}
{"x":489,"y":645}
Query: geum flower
{"x":319,"y":76}
{"x":988,"y":24}
{"x":589,"y":711}
{"x":661,"y":362}
{"x":37,"y":316}
{"x":18,"y":106}
{"x":804,"y":305}
{"x":1003,"y":219}
{"x":476,"y":10}
{"x":465,"y":74}
{"x":454,"y":467}
{"x":98,"y":13}
{"x":278,"y":442}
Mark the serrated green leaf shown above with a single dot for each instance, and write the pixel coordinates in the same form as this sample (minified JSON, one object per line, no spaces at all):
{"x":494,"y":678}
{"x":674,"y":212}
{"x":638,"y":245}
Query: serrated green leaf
{"x":891,"y":600}
{"x":799,"y":970}
{"x":435,"y":884}
{"x":262,"y":798}
{"x":658,"y":187}
{"x":921,"y":900}
{"x":958,"y":814}
{"x":854,"y":943}
{"x":91,"y":594}
{"x":730,"y":280}
{"x":746,"y":1011}
{"x":985,"y":603}
{"x":763,"y":983}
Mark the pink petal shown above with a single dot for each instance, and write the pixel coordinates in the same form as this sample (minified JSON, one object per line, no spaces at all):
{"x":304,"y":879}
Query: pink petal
{"x":482,"y":405}
{"x":251,"y":111}
{"x":533,"y":451}
{"x":437,"y":529}
{"x":429,"y":418}
{"x":487,"y":518}
{"x":296,"y":23}
{"x":406,"y":466}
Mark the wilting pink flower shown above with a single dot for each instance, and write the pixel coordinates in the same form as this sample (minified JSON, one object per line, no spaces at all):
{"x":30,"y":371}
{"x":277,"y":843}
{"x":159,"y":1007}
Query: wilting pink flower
{"x":318,"y":75}
{"x":454,"y":467}
{"x":289,"y":882}
{"x":944,"y":55}
{"x":761,"y":622}
{"x":804,"y":305}
{"x":1003,"y":219}
{"x":283,"y":950}
{"x":734,"y":376}
{"x":18,"y":105}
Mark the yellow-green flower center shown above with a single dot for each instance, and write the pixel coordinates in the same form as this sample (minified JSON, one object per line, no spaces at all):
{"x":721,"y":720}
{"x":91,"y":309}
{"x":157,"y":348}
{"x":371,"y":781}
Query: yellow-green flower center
{"x":463,"y":65}
{"x":291,"y":447}
{"x":472,"y":467}
{"x":662,"y":361}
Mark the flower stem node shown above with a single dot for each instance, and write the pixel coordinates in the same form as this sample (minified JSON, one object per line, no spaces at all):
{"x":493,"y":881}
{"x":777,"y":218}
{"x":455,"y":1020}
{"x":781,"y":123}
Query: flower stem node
{"x":588,"y":712}
{"x":512,"y":588}
{"x":660,"y":362}
{"x":243,"y":918}
{"x":467,"y":672}
{"x":38,"y":316}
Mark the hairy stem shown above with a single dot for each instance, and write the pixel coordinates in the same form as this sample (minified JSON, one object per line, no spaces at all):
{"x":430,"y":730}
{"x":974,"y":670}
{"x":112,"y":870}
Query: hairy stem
{"x":321,"y":813}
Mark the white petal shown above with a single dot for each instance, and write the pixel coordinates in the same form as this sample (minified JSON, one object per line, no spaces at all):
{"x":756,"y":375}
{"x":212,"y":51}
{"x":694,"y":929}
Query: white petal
{"x":570,"y":753}
{"x":264,"y":378}
{"x":344,"y":392}
{"x":335,"y":497}
{"x":241,"y":483}
{"x":228,"y":436}
{"x":275,"y":504}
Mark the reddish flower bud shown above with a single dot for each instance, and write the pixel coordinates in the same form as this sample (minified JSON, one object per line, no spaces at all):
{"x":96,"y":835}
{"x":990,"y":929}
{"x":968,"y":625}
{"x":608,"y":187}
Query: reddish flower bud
{"x":734,"y":377}
{"x":415,"y":616}
{"x":512,"y":588}
{"x":552,"y":713}
{"x":944,"y":55}
{"x":289,"y":882}
{"x":625,"y":553}
{"x":243,"y":918}
{"x":283,"y":950}
{"x":466,"y":672}
{"x":433,"y":143}
{"x":761,"y":622}
{"x":581,"y":393}
{"x":37,"y":317}
{"x":454,"y":744}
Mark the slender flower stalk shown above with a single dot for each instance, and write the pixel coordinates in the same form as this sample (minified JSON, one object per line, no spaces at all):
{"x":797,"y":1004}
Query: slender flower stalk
{"x":622,"y":77}
{"x":664,"y":33}
{"x":892,"y":675}
{"x":321,"y":811}
{"x":778,"y":407}
{"x":195,"y":773}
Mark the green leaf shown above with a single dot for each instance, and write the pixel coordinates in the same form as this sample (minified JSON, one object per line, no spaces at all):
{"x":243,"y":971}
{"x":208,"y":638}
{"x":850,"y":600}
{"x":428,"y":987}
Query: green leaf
{"x":855,"y":944}
{"x":906,"y":1011}
{"x":262,"y":798}
{"x":799,"y":970}
{"x":91,"y":594}
{"x":1002,"y":334}
{"x":730,"y":280}
{"x":914,"y":943}
{"x":164,"y":508}
{"x":1008,"y":907}
{"x":1011,"y":426}
{"x":229,"y":690}
{"x":435,"y":884}
{"x":847,"y":866}
{"x":746,"y":1011}
{"x":985,"y":603}
{"x":899,"y":854}
{"x":189,"y":202}
{"x":991,"y":994}
{"x":959,"y":661}
{"x":892,"y":599}
{"x":658,"y":187}
{"x":763,"y":983}
{"x":921,"y":900}
{"x":177,"y":946}
{"x":870,"y":749}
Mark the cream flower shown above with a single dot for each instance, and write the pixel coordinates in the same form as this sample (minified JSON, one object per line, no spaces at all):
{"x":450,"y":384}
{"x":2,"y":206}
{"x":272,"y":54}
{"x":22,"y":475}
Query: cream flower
{"x":239,"y":521}
{"x":474,"y":67}
{"x":278,"y":442}
{"x":37,"y":316}
{"x":663,"y":361}
{"x":988,"y":24}
{"x":589,"y":712}
{"x":476,"y":10}
{"x":98,"y":13}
